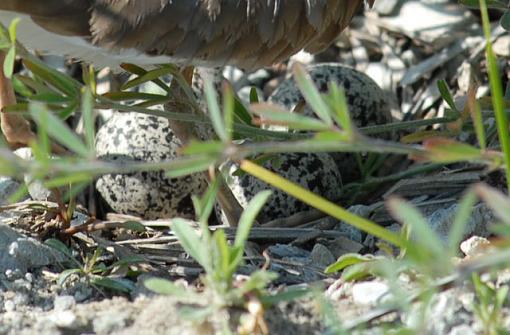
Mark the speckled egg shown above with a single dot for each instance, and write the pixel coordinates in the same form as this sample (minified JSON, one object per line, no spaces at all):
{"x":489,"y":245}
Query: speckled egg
{"x":367,"y":102}
{"x":128,"y":137}
{"x":315,"y":172}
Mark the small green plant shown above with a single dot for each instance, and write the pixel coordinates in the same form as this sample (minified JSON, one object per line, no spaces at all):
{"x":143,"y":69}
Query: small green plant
{"x":93,"y":270}
{"x":220,"y":261}
{"x":489,"y":304}
{"x":423,"y":251}
{"x":433,"y":265}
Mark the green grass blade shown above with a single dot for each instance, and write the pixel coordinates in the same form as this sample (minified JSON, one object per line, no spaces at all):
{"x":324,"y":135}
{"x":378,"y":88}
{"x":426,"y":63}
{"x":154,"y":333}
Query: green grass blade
{"x":248,"y":217}
{"x":166,"y":287}
{"x":498,"y":101}
{"x":229,"y":104}
{"x":322,"y":204}
{"x":458,"y":227}
{"x":87,"y":110}
{"x":192,"y":243}
{"x":60,"y":81}
{"x":274,"y":115}
{"x":311,"y":94}
{"x":421,"y":232}
{"x":10,"y":58}
{"x":215,"y":112}
{"x":58,"y":130}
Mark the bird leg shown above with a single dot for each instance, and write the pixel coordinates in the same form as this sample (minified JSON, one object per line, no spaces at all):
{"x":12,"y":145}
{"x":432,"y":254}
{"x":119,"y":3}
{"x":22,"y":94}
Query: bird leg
{"x":15,"y":127}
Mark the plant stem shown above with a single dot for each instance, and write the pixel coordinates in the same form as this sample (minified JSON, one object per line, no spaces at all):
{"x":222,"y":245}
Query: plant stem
{"x":320,"y":203}
{"x":498,"y":101}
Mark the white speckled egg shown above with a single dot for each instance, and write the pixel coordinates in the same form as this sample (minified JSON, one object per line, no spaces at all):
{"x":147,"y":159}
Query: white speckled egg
{"x":366,"y":101}
{"x":315,"y":172}
{"x":137,"y":137}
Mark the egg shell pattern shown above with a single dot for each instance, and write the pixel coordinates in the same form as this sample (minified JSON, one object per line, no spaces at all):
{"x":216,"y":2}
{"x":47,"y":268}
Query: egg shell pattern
{"x":366,"y":101}
{"x":128,"y":137}
{"x":315,"y":172}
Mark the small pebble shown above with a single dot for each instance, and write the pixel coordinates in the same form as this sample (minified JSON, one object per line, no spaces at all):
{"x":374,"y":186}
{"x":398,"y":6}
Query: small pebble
{"x":63,"y":302}
{"x":342,"y":245}
{"x":64,"y":319}
{"x":321,"y":256}
{"x":285,"y":251}
{"x":9,"y":306}
{"x":474,"y":245}
{"x":462,"y":330}
{"x":13,"y":274}
{"x":22,"y":285}
{"x":259,"y":77}
{"x":82,"y":293}
{"x":29,"y":277}
{"x":21,"y":299}
{"x":8,"y":187}
{"x":36,"y":189}
{"x":369,"y":293}
{"x":244,"y":94}
{"x":107,"y":324}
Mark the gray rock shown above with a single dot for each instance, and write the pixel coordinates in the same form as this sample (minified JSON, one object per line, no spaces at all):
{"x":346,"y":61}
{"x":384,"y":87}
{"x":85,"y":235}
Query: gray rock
{"x":8,"y":187}
{"x":81,"y":291}
{"x":13,"y":274}
{"x":341,"y":246}
{"x":321,"y":256}
{"x":443,"y":17}
{"x":287,"y":251}
{"x":35,"y":187}
{"x":478,"y":223}
{"x":29,"y":277}
{"x":22,"y":285}
{"x":131,"y":137}
{"x":23,"y":253}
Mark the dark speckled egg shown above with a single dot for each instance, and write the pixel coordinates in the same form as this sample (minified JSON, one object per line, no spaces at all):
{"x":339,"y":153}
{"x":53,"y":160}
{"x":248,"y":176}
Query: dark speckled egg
{"x":315,"y":172}
{"x":367,"y":102}
{"x":128,"y":137}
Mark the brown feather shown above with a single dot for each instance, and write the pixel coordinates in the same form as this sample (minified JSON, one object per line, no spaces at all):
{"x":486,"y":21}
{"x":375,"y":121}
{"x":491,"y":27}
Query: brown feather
{"x":246,"y":33}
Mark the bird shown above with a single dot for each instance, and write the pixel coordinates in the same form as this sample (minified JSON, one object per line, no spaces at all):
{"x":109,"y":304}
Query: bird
{"x":244,"y":33}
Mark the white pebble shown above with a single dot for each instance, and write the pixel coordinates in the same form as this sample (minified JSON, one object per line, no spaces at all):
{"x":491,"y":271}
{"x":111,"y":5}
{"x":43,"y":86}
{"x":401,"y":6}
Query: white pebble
{"x":369,"y":293}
